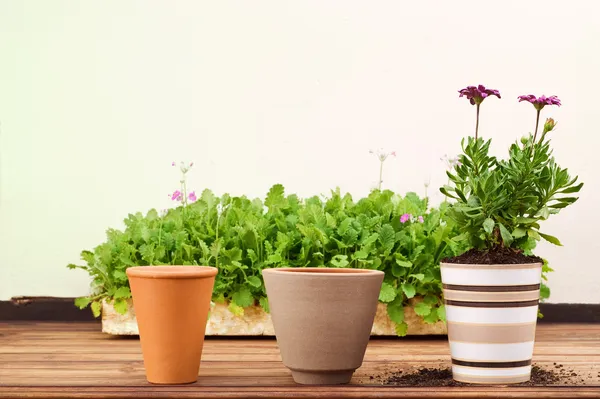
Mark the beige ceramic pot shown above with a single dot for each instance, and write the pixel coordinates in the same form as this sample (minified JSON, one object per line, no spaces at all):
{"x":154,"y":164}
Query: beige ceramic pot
{"x":172,"y":304}
{"x":322,"y":319}
{"x":491,"y":311}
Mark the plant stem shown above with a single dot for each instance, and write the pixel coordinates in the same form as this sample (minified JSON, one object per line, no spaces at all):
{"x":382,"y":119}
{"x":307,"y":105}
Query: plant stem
{"x":380,"y":173}
{"x":537,"y":122}
{"x":477,"y":123}
{"x":217,"y":240}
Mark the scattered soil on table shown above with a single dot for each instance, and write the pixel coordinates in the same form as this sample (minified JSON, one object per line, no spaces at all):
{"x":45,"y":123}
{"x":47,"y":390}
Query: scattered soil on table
{"x":442,"y":377}
{"x":494,"y":256}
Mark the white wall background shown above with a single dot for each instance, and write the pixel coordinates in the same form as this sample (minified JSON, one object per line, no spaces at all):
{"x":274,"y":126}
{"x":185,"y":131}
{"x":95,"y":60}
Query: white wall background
{"x":97,"y":99}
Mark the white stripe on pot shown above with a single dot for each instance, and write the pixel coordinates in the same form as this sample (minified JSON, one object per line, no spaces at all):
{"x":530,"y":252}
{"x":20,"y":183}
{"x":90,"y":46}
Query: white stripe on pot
{"x":491,"y":352}
{"x":491,"y":372}
{"x":463,"y":314}
{"x":491,"y":277}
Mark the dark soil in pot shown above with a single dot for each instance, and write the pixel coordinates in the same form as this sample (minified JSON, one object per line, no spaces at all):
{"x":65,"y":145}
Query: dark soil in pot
{"x":495,"y":256}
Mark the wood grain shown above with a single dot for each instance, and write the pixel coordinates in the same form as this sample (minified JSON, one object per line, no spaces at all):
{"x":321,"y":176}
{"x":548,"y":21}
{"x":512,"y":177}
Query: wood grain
{"x":75,"y":360}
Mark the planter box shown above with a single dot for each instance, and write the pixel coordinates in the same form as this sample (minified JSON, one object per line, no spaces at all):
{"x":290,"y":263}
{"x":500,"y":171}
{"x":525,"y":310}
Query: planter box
{"x":256,"y":321}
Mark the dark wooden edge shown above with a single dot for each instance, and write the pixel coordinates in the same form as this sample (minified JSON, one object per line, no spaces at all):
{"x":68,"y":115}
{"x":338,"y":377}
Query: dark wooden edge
{"x":63,"y":309}
{"x":570,"y":312}
{"x":43,"y":308}
{"x":348,"y":391}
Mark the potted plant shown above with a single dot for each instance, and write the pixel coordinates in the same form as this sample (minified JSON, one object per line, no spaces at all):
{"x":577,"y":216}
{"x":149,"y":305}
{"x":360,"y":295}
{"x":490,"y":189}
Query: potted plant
{"x":172,"y":304}
{"x":492,"y":290}
{"x":322,"y":319}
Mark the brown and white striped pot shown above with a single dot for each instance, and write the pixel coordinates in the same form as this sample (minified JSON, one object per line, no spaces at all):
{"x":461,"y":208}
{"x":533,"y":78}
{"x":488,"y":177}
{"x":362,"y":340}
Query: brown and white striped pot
{"x":491,"y":311}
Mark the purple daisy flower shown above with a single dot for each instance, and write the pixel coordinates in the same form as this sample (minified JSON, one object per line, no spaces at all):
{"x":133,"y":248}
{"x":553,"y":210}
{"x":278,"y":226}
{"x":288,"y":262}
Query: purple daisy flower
{"x":476,"y":94}
{"x":541,"y":101}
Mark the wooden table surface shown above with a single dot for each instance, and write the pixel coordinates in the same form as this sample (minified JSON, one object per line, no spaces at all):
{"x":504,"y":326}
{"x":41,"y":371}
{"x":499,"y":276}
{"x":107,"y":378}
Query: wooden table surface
{"x":75,"y":360}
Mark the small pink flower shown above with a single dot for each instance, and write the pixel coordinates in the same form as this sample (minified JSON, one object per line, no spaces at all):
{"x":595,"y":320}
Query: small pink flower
{"x":393,"y":153}
{"x":405,"y":218}
{"x":192,"y":196}
{"x":173,"y":163}
{"x":420,"y":218}
{"x":191,"y":164}
{"x":176,"y":196}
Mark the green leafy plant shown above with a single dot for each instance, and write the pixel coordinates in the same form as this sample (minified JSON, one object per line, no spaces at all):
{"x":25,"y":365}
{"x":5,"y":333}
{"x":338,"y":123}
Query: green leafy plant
{"x":500,"y":203}
{"x":240,"y":236}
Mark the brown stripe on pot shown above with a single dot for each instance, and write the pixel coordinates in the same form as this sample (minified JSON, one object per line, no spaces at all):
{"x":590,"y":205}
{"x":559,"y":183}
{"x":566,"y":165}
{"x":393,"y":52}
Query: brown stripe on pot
{"x":491,"y":267}
{"x":489,"y":379}
{"x":491,"y":334}
{"x":492,"y":288}
{"x":521,"y":304}
{"x":471,"y":296}
{"x":492,"y":365}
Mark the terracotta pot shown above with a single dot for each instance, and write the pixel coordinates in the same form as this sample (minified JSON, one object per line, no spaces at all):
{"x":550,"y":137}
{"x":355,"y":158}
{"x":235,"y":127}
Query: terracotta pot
{"x":491,"y":311}
{"x":171,"y":304}
{"x":322,"y":319}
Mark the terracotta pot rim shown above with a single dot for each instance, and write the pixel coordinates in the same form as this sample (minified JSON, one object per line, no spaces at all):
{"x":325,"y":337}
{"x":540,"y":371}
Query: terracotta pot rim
{"x":323,"y":271}
{"x":172,"y":272}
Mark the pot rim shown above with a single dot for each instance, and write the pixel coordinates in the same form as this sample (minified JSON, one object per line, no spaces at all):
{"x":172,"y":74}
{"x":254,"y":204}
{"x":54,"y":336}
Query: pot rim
{"x":323,"y":271}
{"x":171,"y":272}
{"x":493,"y":265}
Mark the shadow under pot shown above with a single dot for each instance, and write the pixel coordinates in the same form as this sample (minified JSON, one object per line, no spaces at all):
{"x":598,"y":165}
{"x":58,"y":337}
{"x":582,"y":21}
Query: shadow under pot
{"x":172,"y":305}
{"x":322,"y":319}
{"x":491,"y":312}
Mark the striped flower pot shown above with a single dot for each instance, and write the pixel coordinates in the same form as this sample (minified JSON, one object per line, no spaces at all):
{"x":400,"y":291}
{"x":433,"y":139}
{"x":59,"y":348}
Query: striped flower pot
{"x":491,"y":311}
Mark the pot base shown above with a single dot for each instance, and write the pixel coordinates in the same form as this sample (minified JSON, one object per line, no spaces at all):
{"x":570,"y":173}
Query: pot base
{"x":491,"y":380}
{"x":173,"y":382}
{"x":322,"y":377}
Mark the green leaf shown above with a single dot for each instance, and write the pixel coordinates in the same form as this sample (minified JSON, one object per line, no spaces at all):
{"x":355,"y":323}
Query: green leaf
{"x":431,"y":299}
{"x":387,"y":293}
{"x":120,"y":306}
{"x":507,"y":238}
{"x":550,"y":239}
{"x":403,"y":263}
{"x":82,"y":302}
{"x":264,"y":303}
{"x":96,"y":308}
{"x":544,"y":291}
{"x":418,"y":276}
{"x":409,"y":290}
{"x":519,"y":232}
{"x":340,"y":261}
{"x":122,"y":292}
{"x":488,"y":225}
{"x":573,"y":189}
{"x":401,"y":329}
{"x":360,"y":255}
{"x":120,"y":275}
{"x":219,"y":298}
{"x":422,"y":309}
{"x":235,"y":309}
{"x":275,"y":199}
{"x":243,"y":297}
{"x":533,"y":234}
{"x":432,"y":317}
{"x":387,"y":237}
{"x":254,"y":281}
{"x":395,"y":311}
{"x":441,"y":311}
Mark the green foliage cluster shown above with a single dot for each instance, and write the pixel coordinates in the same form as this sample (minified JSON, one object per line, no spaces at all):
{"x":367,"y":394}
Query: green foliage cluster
{"x":502,"y":202}
{"x":241,"y":237}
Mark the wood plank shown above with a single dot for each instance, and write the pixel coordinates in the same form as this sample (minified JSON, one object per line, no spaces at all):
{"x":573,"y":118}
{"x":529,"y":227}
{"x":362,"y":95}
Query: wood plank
{"x":58,"y":360}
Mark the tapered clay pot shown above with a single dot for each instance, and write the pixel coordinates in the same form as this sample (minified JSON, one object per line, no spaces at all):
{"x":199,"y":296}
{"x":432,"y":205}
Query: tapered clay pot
{"x":171,"y":304}
{"x":322,"y":319}
{"x":491,"y":311}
